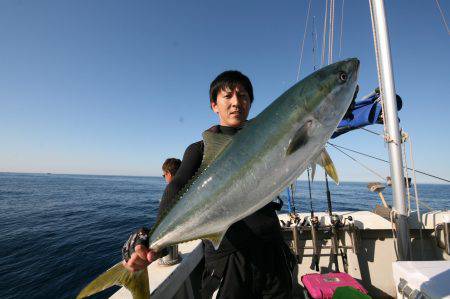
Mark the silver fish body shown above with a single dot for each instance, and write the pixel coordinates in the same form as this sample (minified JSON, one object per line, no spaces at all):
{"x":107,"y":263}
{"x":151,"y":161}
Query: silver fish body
{"x":257,"y":164}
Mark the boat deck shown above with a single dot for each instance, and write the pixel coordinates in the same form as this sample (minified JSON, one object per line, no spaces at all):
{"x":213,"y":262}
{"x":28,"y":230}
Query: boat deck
{"x":369,"y":261}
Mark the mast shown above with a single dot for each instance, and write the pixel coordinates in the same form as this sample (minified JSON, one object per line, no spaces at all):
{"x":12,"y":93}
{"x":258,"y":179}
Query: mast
{"x":387,"y":89}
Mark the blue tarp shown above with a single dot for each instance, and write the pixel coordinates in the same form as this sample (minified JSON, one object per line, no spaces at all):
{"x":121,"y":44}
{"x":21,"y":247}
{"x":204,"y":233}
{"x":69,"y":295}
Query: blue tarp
{"x":365,"y":112}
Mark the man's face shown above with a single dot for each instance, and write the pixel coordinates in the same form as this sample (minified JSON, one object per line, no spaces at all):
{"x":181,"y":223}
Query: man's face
{"x":167,"y":176}
{"x":232,"y":106}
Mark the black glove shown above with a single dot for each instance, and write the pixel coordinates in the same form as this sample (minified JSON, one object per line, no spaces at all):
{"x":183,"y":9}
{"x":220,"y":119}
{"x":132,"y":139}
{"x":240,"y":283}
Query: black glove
{"x":140,"y":237}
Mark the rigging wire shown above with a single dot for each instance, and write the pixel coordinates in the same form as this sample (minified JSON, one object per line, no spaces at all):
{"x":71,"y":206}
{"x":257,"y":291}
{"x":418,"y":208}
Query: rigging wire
{"x":373,"y":132}
{"x":331,"y":33}
{"x":342,"y":22}
{"x":303,"y":41}
{"x":382,"y":160}
{"x":442,"y":16}
{"x":324,"y":40}
{"x":377,"y":55}
{"x":314,"y":39}
{"x":364,"y":166}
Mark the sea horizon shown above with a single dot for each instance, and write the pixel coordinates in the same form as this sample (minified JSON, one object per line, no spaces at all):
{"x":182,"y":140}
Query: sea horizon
{"x":157,"y":176}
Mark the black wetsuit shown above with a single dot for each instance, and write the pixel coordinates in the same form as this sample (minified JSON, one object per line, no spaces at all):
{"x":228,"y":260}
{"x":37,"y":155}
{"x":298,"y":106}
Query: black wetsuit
{"x":252,"y":260}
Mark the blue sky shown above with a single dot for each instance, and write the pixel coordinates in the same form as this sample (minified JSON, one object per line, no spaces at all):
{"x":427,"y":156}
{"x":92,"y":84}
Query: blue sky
{"x":115,"y":87}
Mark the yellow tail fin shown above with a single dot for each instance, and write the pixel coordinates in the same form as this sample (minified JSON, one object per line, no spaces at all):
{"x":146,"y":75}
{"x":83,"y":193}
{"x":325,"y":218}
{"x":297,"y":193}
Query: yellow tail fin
{"x":136,"y":283}
{"x":324,"y":160}
{"x":327,"y":164}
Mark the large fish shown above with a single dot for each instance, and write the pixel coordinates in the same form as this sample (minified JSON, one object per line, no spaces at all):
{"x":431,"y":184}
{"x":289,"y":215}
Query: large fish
{"x":241,"y":174}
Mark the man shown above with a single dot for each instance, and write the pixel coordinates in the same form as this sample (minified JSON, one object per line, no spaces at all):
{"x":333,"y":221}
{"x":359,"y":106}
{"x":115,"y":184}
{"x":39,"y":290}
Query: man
{"x":170,"y":168}
{"x":252,"y":260}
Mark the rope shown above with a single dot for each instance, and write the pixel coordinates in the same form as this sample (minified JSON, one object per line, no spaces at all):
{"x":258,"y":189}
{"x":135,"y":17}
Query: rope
{"x":367,"y":168}
{"x":416,"y":195}
{"x":405,"y":170}
{"x":426,"y":206}
{"x":442,"y":16}
{"x":324,"y":33}
{"x":392,"y":215}
{"x":382,"y":160}
{"x":342,"y":22}
{"x":303,"y":41}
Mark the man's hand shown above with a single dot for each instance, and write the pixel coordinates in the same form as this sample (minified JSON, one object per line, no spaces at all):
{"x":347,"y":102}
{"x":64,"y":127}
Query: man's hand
{"x":140,"y":259}
{"x":135,"y":252}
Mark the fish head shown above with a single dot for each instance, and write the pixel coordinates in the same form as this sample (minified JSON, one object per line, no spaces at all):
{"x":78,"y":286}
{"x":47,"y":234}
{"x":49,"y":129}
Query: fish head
{"x":317,"y":104}
{"x":335,"y":85}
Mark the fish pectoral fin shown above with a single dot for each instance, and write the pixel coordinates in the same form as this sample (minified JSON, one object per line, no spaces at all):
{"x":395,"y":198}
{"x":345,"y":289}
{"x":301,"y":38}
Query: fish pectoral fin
{"x":300,"y":138}
{"x":136,"y":283}
{"x":324,"y":160}
{"x":215,"y":239}
{"x":214,"y":145}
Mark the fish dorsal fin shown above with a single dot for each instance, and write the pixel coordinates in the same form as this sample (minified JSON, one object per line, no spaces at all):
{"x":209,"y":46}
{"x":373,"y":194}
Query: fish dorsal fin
{"x":300,"y":138}
{"x":136,"y":283}
{"x":214,"y":145}
{"x":324,"y":160}
{"x":216,"y":238}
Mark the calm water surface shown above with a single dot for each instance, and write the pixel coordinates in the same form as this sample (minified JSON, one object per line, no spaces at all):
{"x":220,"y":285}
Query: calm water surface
{"x":58,"y":232}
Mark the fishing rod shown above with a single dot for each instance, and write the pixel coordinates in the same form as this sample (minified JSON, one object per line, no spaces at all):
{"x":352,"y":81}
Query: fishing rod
{"x":289,"y":201}
{"x":294,"y":219}
{"x":314,"y":223}
{"x":310,"y":196}
{"x":335,"y":223}
{"x":334,"y":219}
{"x":294,"y":215}
{"x":293,"y":196}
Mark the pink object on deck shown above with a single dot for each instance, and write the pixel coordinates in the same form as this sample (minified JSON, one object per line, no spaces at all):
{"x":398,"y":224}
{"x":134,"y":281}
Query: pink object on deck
{"x":324,"y":285}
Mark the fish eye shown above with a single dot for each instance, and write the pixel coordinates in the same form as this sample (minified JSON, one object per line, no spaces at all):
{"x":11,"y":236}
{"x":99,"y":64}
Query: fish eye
{"x":343,"y":77}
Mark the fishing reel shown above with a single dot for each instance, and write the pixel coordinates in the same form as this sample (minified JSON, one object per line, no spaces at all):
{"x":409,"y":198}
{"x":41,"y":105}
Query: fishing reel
{"x":294,"y":220}
{"x":335,"y":220}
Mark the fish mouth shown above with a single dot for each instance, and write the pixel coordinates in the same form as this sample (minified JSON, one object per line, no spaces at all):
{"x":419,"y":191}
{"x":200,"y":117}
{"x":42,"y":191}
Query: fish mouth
{"x":353,"y":67}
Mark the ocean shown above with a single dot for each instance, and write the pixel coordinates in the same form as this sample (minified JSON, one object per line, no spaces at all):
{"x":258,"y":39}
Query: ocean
{"x":58,"y":232}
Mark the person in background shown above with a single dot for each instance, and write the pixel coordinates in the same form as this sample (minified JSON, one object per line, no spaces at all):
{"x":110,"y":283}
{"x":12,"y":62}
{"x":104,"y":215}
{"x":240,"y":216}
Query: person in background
{"x":169,"y":168}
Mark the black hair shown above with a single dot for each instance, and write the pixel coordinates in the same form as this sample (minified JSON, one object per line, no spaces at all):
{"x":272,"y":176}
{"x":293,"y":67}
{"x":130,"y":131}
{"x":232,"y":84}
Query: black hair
{"x":171,"y":165}
{"x":229,"y":79}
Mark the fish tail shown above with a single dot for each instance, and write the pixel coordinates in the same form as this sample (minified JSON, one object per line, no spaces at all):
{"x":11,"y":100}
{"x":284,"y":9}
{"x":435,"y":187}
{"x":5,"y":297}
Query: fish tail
{"x":136,"y":283}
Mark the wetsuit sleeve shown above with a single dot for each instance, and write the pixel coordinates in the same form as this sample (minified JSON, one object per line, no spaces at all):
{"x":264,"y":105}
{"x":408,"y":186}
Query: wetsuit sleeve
{"x":192,"y":159}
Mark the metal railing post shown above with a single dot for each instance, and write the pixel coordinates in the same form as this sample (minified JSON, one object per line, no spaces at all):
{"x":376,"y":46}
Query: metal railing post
{"x":388,"y":94}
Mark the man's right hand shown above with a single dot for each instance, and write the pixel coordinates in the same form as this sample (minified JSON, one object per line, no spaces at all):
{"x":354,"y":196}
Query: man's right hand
{"x":140,"y":259}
